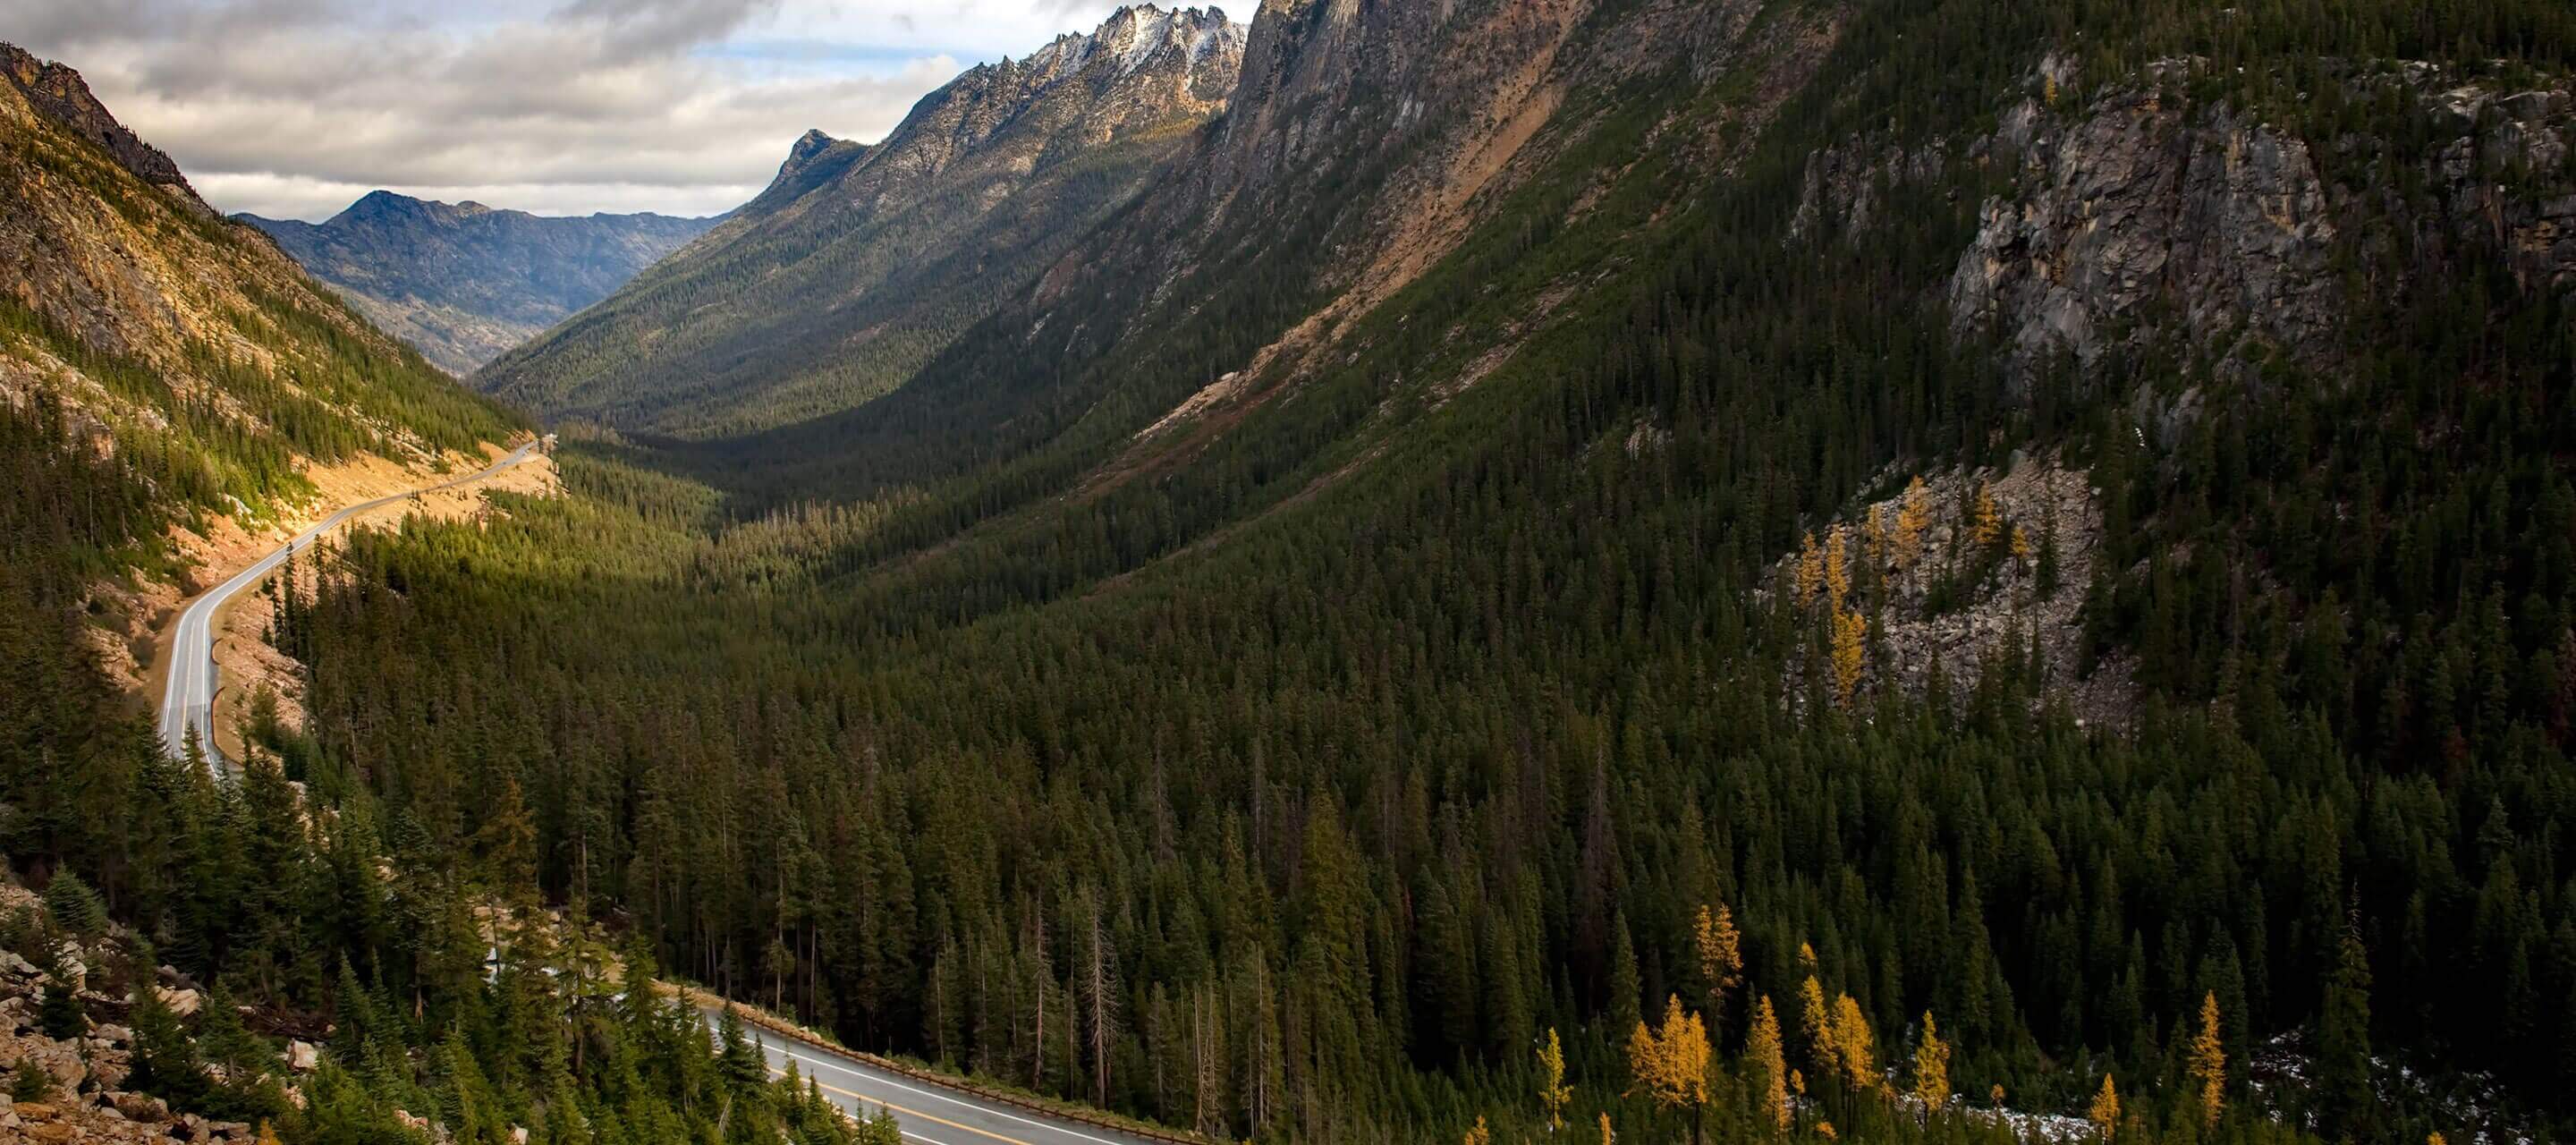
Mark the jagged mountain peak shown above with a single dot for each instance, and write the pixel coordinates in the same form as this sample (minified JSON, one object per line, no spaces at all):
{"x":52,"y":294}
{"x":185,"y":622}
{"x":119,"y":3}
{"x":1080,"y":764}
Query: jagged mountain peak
{"x":58,"y":92}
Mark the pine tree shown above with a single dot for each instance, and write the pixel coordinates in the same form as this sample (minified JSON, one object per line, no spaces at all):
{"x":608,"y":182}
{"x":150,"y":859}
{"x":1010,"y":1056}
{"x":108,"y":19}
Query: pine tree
{"x":1931,"y":1067}
{"x":2105,"y":1110}
{"x":74,"y":907}
{"x":2344,"y":1094}
{"x":58,"y":1013}
{"x":1553,"y":1093}
{"x":1762,"y":1050}
{"x":2209,"y":1062}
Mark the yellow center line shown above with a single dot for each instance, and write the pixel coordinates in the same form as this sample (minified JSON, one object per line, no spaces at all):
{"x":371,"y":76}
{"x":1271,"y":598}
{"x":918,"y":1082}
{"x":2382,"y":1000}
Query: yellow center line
{"x":906,"y":1112}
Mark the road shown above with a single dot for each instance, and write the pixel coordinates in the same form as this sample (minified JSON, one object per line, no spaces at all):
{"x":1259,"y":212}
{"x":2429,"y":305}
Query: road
{"x":930,"y":1114}
{"x":188,"y":697}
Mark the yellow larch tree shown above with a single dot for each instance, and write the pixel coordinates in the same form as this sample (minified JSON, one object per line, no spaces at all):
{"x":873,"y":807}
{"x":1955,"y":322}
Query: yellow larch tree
{"x":1762,"y":1049}
{"x":1816,"y":1025}
{"x":1721,"y":956}
{"x":2105,"y":1113}
{"x":1913,"y":516}
{"x":1837,"y":573}
{"x":1850,"y":654}
{"x":1931,"y":1067}
{"x":1607,"y":1137}
{"x":1855,"y":1046}
{"x":1478,"y":1134}
{"x":1553,"y":1093}
{"x":1985,"y":518}
{"x":2209,"y":1062}
{"x":1671,"y":1065}
{"x":1873,"y":535}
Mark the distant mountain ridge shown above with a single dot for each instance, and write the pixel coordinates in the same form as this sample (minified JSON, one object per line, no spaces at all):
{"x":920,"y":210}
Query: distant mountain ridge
{"x":465,"y":282}
{"x":860,"y":263}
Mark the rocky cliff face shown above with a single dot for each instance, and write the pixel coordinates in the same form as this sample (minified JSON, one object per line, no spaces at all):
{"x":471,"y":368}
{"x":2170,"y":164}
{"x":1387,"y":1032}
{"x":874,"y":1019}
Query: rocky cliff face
{"x":62,"y":95}
{"x":2137,"y":216}
{"x":860,"y":263}
{"x":464,"y":282}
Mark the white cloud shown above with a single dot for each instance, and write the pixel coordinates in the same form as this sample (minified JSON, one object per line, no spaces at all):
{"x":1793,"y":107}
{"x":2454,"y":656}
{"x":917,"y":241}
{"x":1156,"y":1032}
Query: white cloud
{"x":294,"y":108}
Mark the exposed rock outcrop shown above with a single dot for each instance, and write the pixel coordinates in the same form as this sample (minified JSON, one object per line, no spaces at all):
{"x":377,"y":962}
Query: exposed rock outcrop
{"x":60,"y":93}
{"x":2140,"y":215}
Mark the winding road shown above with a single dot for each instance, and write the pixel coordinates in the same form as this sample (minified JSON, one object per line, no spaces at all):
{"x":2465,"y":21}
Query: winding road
{"x":930,"y":1113}
{"x":188,"y":696}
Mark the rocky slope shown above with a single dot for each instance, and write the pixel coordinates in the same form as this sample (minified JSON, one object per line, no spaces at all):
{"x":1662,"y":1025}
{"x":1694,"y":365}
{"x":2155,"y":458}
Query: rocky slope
{"x":185,"y":338}
{"x":464,"y":282}
{"x":860,"y":263}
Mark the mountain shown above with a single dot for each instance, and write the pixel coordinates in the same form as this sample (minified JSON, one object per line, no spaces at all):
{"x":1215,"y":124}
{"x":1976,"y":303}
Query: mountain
{"x":861,"y":263}
{"x":188,"y":345}
{"x":465,"y":282}
{"x":1892,"y":570}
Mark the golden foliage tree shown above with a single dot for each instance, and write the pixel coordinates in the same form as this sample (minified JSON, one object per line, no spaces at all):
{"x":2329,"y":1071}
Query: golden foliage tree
{"x":1762,"y":1049}
{"x":1478,"y":1134}
{"x":1721,"y":955}
{"x":1606,"y":1135}
{"x":2209,"y":1062}
{"x":2105,"y":1113}
{"x":1913,"y":516}
{"x":1811,"y":571}
{"x":1985,"y":518}
{"x":1553,"y":1093}
{"x":1931,"y":1067}
{"x":1854,"y":1045}
{"x":1837,"y":573}
{"x":1671,"y":1065}
{"x":1850,"y":654}
{"x":1816,"y":1026}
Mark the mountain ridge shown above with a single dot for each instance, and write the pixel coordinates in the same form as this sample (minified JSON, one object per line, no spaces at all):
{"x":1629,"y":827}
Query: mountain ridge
{"x":861,"y":263}
{"x":465,"y":282}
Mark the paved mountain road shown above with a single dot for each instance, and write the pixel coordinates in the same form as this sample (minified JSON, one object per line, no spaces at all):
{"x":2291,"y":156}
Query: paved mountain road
{"x":188,"y":696}
{"x":930,"y":1113}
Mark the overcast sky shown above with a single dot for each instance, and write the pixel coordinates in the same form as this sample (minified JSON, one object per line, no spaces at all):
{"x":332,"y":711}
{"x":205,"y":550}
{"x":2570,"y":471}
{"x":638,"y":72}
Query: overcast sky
{"x":295,"y":108}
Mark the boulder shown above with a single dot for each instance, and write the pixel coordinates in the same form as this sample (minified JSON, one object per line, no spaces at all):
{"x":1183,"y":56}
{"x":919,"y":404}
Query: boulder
{"x":184,"y":1003}
{"x":302,"y":1057}
{"x":114,"y":1035}
{"x":140,"y":1107}
{"x":51,"y":1133}
{"x":10,"y":962}
{"x":35,"y":1111}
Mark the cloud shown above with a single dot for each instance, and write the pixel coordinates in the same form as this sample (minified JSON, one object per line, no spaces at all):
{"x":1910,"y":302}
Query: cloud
{"x":294,"y":108}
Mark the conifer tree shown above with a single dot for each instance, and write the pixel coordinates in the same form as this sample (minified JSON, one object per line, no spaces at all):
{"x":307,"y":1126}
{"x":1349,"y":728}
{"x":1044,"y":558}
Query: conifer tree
{"x":1762,"y":1050}
{"x":1811,"y":570}
{"x":58,"y":1013}
{"x":2104,"y":1113}
{"x":1931,"y":1067}
{"x":1912,"y":517}
{"x":2209,"y":1062}
{"x":1478,"y":1134}
{"x":1850,"y":653}
{"x":74,"y":907}
{"x":1855,"y":1046}
{"x":1985,"y":518}
{"x":2344,"y":1094}
{"x":1816,"y":1026}
{"x":1553,"y":1093}
{"x":1721,"y":958}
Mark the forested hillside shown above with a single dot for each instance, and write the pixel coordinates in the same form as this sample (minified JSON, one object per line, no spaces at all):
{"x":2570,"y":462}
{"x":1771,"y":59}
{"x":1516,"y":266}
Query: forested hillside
{"x":157,"y":365}
{"x":1277,"y":679}
{"x":1412,"y":627}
